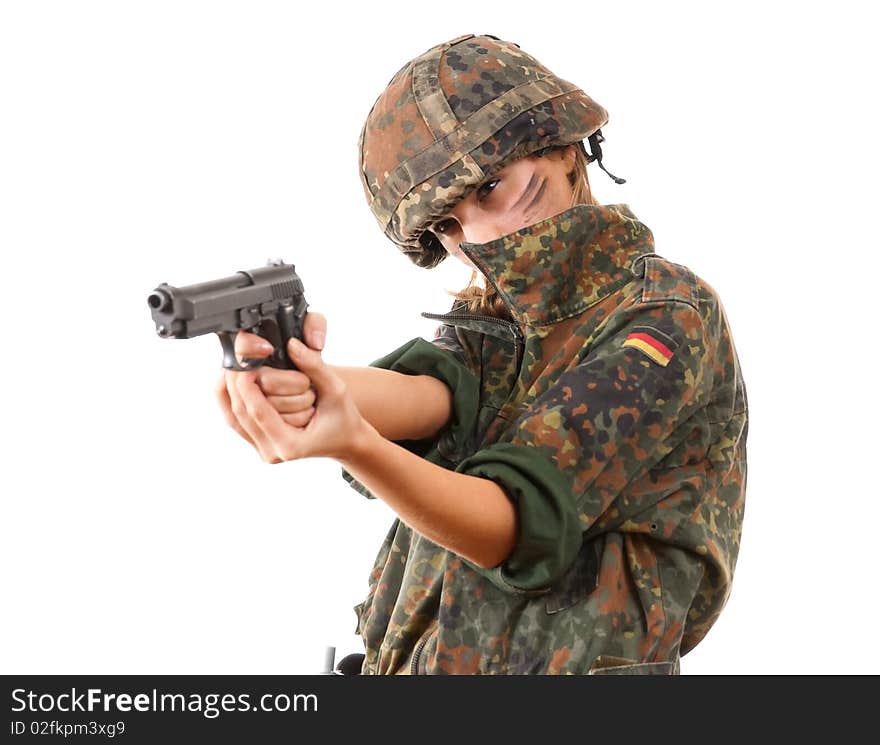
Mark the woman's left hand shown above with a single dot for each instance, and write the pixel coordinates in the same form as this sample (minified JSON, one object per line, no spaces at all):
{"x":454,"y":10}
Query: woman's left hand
{"x":333,"y":431}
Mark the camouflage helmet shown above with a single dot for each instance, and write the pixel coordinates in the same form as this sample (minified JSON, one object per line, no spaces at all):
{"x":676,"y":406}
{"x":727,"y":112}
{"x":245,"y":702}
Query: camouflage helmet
{"x":450,"y":119}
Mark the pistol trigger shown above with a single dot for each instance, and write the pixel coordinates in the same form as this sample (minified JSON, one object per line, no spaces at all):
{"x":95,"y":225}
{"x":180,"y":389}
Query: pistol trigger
{"x":252,"y":363}
{"x":227,"y":341}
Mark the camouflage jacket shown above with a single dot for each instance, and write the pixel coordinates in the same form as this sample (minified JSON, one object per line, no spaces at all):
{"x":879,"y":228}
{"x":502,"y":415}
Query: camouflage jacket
{"x":612,"y":411}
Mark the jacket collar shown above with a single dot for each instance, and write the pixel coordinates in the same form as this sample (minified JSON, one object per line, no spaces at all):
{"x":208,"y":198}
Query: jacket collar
{"x":559,"y":267}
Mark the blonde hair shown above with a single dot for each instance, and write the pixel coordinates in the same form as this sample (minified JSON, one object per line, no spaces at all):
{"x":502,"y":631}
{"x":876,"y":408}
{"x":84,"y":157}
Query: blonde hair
{"x":483,"y":299}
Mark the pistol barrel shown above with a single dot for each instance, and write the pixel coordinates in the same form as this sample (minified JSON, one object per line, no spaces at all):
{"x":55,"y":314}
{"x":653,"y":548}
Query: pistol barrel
{"x":228,"y":304}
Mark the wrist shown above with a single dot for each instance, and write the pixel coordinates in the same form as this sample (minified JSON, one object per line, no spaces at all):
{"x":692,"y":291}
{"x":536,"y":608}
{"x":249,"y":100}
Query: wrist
{"x":362,"y":442}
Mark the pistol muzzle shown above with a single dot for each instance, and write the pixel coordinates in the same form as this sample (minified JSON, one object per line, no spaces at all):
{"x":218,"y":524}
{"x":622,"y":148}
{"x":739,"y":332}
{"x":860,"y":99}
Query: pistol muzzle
{"x":158,"y":300}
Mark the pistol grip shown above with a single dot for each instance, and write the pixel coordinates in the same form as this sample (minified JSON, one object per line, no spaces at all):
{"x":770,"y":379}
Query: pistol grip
{"x":291,"y":319}
{"x":284,"y":324}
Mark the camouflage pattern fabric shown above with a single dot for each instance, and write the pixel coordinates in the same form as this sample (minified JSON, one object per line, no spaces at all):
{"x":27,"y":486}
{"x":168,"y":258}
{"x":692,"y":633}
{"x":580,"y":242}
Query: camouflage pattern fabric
{"x":613,"y":413}
{"x":452,"y":118}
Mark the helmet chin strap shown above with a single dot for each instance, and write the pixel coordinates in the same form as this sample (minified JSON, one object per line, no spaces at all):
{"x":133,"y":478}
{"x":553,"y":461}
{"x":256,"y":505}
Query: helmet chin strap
{"x":596,"y":155}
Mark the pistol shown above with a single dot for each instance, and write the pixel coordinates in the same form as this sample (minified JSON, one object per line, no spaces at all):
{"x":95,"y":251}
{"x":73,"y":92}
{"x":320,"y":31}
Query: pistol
{"x":268,"y":301}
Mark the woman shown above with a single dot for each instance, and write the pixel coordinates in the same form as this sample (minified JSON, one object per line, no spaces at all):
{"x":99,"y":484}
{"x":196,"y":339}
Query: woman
{"x":567,"y":457}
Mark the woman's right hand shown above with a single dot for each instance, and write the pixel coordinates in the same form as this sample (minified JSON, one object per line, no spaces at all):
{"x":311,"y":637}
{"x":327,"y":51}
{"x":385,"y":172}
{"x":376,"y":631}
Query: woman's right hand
{"x":289,"y":391}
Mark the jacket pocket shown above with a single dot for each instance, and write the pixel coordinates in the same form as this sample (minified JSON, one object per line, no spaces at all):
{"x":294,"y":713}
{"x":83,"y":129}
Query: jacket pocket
{"x":607,"y":665}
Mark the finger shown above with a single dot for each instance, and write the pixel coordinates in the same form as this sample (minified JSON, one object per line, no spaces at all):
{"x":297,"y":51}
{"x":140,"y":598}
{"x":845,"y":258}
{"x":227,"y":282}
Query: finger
{"x":315,"y":330}
{"x":275,"y":382}
{"x":324,"y":379}
{"x":292,"y":404}
{"x":235,"y":383}
{"x":250,"y":346}
{"x":222,"y":395}
{"x":300,"y":419}
{"x":276,"y":437}
{"x":263,"y":422}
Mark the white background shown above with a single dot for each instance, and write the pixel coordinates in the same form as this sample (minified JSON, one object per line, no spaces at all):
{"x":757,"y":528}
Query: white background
{"x":148,"y":142}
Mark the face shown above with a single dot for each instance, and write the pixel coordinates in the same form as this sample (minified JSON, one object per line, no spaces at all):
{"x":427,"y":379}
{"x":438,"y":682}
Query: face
{"x":524,"y":192}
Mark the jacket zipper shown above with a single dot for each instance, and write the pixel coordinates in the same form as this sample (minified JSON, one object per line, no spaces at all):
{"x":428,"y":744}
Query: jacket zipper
{"x":488,"y":275}
{"x":517,"y":335}
{"x":511,"y":327}
{"x":414,"y":666}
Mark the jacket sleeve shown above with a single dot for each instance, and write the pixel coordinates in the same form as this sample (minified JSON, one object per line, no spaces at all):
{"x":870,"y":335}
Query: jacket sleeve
{"x":569,"y":456}
{"x":442,"y":358}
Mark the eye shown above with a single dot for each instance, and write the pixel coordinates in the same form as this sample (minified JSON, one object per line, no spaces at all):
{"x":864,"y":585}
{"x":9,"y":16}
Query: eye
{"x":485,"y":189}
{"x":442,"y":226}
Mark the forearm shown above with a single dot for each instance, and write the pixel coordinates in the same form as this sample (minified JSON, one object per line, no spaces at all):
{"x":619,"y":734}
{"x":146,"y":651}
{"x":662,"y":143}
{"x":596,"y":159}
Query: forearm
{"x":399,"y":406}
{"x":470,"y":516}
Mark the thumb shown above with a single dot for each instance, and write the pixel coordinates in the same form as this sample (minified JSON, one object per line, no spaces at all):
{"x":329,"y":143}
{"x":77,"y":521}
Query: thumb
{"x":311,"y":363}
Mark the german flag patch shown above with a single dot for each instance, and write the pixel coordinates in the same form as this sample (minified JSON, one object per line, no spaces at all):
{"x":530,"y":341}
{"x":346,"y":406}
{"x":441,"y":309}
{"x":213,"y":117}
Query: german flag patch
{"x":650,"y":344}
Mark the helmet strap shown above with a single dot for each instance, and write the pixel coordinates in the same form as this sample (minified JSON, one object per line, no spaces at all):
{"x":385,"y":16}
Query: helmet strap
{"x":596,"y":154}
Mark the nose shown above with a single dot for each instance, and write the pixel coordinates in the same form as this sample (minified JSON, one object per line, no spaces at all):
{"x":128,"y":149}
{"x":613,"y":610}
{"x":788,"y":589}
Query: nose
{"x":473,"y":224}
{"x":480,"y":233}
